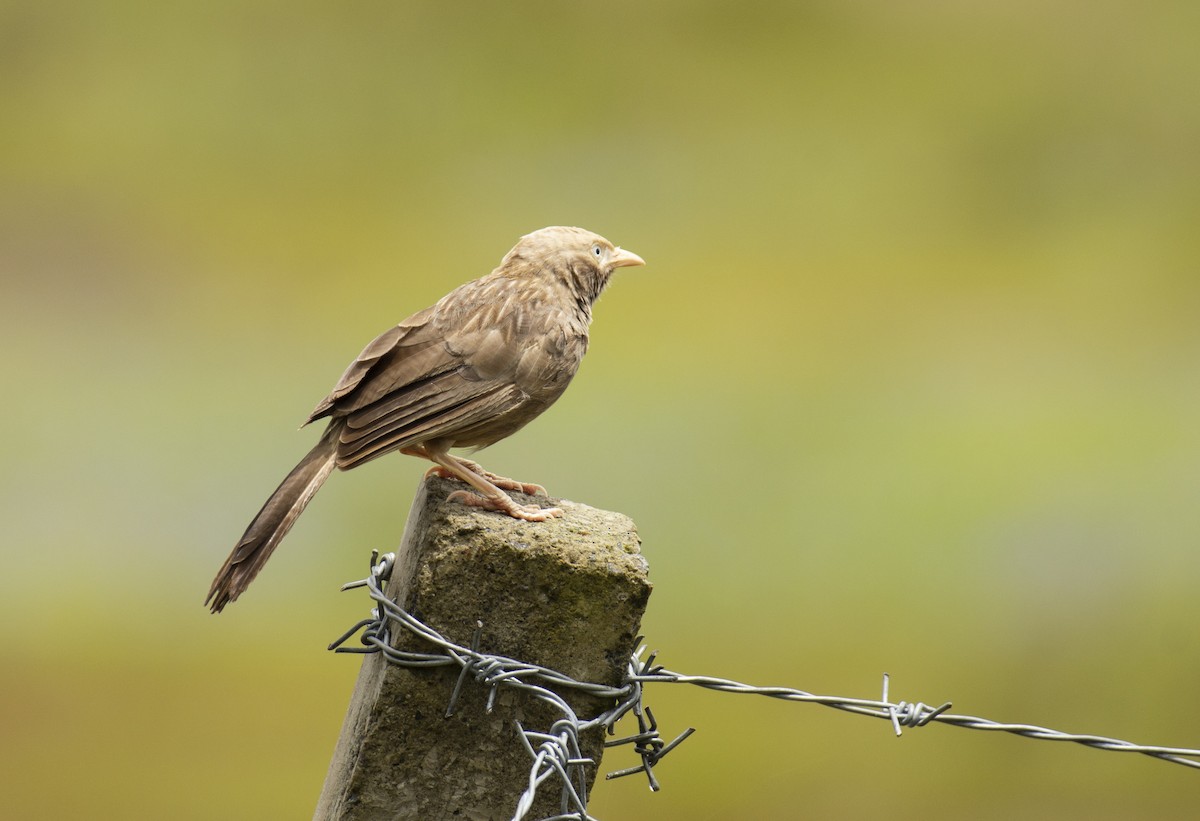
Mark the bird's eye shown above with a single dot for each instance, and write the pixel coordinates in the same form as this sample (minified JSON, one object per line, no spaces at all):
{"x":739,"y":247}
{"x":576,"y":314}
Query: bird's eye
{"x":598,"y":251}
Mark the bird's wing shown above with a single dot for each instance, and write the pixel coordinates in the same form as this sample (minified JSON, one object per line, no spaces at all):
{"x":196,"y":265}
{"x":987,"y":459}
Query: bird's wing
{"x":447,"y":406}
{"x":408,"y":352}
{"x":444,"y":371}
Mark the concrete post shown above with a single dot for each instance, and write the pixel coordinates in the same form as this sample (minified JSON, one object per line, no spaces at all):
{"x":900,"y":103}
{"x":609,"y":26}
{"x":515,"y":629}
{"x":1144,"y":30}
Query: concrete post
{"x":567,"y":594}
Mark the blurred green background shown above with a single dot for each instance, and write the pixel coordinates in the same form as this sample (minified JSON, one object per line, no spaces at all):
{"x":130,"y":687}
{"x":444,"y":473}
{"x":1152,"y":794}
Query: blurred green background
{"x":909,"y":383}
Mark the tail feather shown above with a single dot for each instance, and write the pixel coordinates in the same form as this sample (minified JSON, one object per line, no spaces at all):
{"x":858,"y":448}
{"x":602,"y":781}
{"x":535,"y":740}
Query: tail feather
{"x":273,"y":522}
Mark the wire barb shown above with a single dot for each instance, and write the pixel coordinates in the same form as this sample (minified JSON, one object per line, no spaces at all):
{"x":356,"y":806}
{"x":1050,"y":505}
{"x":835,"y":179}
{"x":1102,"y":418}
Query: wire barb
{"x":910,"y":715}
{"x":649,"y":745}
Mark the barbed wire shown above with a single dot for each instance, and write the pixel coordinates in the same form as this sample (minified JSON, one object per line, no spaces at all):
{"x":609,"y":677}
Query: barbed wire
{"x":557,"y":752}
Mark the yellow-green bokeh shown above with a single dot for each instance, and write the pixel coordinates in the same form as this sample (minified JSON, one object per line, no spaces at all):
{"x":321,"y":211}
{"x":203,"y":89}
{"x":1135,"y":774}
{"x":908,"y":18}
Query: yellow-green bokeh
{"x":910,"y":382}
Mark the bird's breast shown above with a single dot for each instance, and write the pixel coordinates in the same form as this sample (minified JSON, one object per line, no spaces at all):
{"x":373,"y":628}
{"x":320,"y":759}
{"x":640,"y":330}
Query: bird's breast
{"x":548,"y":363}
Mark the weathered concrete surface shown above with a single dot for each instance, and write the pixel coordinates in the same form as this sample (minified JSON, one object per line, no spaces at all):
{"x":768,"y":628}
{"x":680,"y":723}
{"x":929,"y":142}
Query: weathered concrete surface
{"x":568,"y":594}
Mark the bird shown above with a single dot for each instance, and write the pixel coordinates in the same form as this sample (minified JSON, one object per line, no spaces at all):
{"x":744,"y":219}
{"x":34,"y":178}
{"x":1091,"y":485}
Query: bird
{"x":466,"y":372}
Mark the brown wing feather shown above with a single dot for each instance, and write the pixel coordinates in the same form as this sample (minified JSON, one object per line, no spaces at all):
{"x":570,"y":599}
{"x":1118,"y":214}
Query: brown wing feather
{"x":420,"y":401}
{"x":451,"y":415}
{"x":406,"y":352}
{"x":401,"y":373}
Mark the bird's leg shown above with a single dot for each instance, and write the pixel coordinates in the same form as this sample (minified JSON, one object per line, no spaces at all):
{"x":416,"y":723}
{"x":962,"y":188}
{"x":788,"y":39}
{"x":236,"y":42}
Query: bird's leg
{"x":502,"y":482}
{"x":491,"y":497}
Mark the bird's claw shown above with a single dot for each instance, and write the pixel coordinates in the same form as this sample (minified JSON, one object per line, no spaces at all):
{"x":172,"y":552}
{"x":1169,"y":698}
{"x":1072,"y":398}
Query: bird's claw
{"x":502,"y":482}
{"x":528,"y":488}
{"x":533,"y":513}
{"x":528,"y":513}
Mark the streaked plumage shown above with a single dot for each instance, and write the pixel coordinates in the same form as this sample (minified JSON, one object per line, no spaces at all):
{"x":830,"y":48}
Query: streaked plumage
{"x":476,"y":367}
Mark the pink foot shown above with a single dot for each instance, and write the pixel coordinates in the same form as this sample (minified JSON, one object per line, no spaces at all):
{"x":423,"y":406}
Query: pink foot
{"x":503,"y":504}
{"x":501,"y":482}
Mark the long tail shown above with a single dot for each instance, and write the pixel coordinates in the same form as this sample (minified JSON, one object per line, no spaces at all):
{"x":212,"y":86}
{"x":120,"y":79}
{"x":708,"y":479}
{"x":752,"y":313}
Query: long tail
{"x":274,"y":521}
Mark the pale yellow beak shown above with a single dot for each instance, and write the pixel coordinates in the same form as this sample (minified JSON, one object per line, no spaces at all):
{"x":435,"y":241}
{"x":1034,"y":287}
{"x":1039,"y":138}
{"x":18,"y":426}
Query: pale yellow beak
{"x":624,"y":259}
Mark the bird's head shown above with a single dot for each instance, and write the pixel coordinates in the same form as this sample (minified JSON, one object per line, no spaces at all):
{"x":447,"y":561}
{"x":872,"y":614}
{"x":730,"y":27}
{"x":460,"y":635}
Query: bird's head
{"x":584,"y":259}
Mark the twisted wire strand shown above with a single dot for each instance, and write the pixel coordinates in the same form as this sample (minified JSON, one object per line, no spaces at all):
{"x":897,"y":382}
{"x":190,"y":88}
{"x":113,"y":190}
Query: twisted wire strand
{"x":557,"y":752}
